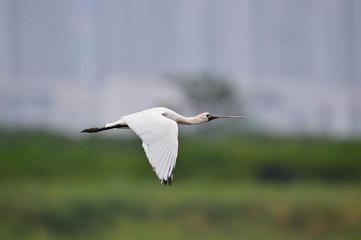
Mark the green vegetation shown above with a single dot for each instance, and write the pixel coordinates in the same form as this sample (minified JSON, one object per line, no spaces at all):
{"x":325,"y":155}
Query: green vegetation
{"x":53,"y":187}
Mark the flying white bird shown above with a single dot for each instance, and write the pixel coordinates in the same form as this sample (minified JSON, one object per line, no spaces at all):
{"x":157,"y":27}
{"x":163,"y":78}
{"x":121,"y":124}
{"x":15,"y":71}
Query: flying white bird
{"x":157,"y":127}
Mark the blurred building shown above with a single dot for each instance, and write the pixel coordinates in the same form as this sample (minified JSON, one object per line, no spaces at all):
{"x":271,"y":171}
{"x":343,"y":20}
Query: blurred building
{"x":297,"y":63}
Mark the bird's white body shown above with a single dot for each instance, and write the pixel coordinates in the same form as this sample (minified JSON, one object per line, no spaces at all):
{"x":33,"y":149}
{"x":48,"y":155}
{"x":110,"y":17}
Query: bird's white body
{"x":157,"y":127}
{"x":160,"y":138}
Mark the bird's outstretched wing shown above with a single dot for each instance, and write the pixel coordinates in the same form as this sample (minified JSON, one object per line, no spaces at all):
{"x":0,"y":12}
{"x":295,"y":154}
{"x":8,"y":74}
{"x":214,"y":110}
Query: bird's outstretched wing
{"x":160,"y":141}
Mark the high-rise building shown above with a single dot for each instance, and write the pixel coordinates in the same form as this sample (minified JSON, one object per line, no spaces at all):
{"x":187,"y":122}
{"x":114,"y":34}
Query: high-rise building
{"x":309,"y":39}
{"x":267,"y":47}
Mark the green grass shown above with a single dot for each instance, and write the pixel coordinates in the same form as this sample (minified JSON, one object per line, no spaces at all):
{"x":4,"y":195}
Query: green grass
{"x":115,"y":208}
{"x":53,"y":187}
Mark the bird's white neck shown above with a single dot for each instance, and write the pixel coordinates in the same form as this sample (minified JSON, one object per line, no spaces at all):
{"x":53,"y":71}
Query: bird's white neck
{"x":186,"y":120}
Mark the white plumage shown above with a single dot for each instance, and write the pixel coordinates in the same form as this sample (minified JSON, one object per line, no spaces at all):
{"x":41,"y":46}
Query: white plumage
{"x":157,"y":127}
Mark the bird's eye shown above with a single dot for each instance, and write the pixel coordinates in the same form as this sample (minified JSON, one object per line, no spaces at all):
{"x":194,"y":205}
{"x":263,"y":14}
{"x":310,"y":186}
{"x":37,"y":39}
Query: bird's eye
{"x":208,"y":115}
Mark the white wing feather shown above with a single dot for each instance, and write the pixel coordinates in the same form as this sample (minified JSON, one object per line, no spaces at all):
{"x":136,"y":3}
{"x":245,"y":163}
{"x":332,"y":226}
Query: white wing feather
{"x":160,"y":141}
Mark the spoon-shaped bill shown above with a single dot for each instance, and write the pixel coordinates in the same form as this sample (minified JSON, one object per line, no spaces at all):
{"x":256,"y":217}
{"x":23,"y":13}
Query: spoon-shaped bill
{"x":216,"y":116}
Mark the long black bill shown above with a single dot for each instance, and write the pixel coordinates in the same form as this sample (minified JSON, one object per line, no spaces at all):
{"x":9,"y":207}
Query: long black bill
{"x":215,"y":117}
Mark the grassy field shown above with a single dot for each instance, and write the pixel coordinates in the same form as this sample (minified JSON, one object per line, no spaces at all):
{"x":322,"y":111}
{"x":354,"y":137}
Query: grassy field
{"x":53,"y":187}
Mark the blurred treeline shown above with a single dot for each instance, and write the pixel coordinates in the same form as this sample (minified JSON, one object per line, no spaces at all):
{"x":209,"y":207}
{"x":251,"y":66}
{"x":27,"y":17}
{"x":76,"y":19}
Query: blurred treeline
{"x":41,"y":154}
{"x":236,"y":186}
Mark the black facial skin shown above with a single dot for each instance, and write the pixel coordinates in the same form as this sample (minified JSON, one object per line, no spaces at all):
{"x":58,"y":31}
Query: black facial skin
{"x":210,"y":117}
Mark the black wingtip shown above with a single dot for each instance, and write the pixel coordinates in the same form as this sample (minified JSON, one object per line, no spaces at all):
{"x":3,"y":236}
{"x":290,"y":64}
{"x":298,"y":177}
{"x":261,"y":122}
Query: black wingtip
{"x":170,"y":181}
{"x":91,"y":130}
{"x":167,"y":181}
{"x":95,"y":129}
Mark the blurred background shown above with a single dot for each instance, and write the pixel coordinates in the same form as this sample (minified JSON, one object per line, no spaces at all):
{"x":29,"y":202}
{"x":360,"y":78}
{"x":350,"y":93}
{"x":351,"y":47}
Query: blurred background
{"x":292,"y":169}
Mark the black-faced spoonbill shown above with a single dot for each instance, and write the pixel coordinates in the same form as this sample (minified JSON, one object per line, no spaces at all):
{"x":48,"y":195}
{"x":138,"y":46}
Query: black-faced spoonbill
{"x":157,"y":127}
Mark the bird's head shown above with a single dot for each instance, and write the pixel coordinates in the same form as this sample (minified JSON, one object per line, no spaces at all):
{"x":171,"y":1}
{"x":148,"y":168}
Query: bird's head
{"x":209,"y":117}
